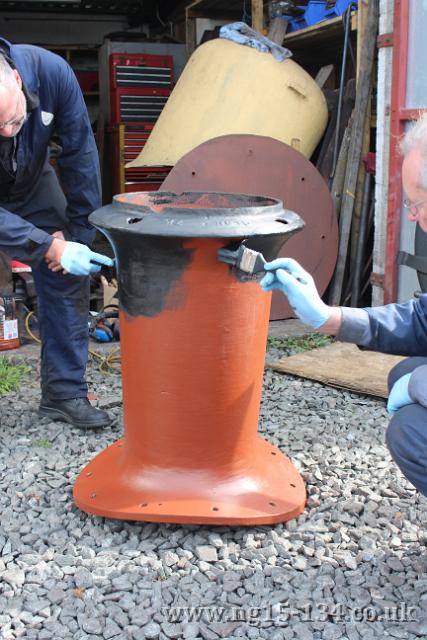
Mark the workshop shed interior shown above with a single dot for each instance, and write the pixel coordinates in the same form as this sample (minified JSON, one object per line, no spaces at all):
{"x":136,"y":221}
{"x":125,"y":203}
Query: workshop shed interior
{"x":128,"y":56}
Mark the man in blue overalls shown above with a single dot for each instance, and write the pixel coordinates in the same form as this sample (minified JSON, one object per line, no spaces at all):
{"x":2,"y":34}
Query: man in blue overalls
{"x":400,"y":329}
{"x":45,"y":226}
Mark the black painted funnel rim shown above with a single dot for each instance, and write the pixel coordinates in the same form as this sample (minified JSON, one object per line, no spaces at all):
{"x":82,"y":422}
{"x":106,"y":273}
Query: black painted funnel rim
{"x":266,"y":217}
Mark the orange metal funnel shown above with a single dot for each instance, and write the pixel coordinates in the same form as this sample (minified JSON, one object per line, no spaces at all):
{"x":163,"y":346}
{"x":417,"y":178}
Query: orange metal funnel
{"x":193,"y":334}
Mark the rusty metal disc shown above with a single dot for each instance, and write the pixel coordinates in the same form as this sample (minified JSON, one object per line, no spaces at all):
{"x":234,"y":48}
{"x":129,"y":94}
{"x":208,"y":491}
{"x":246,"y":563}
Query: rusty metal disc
{"x":260,"y":165}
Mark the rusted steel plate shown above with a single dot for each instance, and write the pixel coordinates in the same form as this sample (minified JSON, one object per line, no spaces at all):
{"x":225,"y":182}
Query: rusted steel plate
{"x":263,"y":166}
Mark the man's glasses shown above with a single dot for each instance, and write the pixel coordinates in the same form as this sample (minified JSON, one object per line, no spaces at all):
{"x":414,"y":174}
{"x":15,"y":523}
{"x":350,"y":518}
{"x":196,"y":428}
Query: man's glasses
{"x":15,"y":122}
{"x":413,"y":208}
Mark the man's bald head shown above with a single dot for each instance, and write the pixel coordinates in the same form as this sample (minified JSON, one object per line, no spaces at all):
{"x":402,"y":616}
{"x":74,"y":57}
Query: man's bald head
{"x":7,"y":74}
{"x":13,"y":105}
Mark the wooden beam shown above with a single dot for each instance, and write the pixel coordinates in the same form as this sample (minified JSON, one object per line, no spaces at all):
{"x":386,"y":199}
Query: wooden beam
{"x":323,"y":75}
{"x":340,"y":169}
{"x":257,"y":15}
{"x":362,"y":99}
{"x":362,"y":12}
{"x":190,"y":35}
{"x":190,"y":27}
{"x":277,"y":30}
{"x":177,"y":13}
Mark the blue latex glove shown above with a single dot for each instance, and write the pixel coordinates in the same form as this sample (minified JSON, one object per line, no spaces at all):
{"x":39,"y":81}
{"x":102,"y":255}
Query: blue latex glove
{"x":297,"y":284}
{"x":241,"y":33}
{"x":399,"y":395}
{"x":79,"y":260}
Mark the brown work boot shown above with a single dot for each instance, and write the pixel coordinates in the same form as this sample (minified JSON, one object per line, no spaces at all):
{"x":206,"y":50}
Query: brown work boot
{"x":77,"y":411}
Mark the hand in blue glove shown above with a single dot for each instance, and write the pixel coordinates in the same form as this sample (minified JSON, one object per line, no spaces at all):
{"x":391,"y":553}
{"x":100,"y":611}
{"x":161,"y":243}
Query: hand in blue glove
{"x":399,"y":395}
{"x":298,"y":285}
{"x":79,"y":260}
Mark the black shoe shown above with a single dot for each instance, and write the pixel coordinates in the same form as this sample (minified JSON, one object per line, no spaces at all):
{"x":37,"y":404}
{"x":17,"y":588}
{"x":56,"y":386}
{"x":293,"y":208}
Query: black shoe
{"x":77,"y":411}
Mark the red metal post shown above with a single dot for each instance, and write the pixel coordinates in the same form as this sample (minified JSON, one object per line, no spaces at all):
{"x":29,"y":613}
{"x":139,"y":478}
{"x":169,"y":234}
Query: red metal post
{"x":398,"y":96}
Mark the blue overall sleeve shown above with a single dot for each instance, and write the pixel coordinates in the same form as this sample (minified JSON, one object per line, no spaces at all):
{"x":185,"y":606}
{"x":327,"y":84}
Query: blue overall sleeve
{"x":399,"y":329}
{"x":78,"y":162}
{"x":21,"y":240}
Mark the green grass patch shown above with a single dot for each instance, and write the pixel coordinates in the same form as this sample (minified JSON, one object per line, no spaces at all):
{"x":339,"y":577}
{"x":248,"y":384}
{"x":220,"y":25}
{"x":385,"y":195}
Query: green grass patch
{"x":302,"y":343}
{"x":44,"y":443}
{"x":12,"y":375}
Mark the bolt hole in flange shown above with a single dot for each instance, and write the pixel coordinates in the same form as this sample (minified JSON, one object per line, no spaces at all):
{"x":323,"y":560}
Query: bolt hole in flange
{"x":144,"y":504}
{"x":292,"y":485}
{"x":133,"y":220}
{"x":215,"y":509}
{"x":273,"y":453}
{"x":273,"y":504}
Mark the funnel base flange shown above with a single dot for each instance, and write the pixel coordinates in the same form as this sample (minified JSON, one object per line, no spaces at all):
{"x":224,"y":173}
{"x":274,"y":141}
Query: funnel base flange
{"x":266,"y":490}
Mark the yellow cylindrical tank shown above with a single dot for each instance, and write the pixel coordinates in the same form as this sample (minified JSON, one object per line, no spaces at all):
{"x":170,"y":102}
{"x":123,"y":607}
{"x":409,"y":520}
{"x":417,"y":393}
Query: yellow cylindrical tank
{"x":230,"y":88}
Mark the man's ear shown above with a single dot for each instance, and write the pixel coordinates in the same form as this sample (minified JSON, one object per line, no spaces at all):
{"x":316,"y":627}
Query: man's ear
{"x":18,"y":78}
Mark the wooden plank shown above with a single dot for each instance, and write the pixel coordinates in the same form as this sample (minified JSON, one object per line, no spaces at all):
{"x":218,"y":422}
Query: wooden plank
{"x":341,"y":365}
{"x":366,"y":143}
{"x":362,"y":98}
{"x":277,"y":30}
{"x":323,"y":75}
{"x":327,"y":152}
{"x":362,"y":13}
{"x":190,"y":35}
{"x":257,"y":15}
{"x":340,"y":169}
{"x":190,"y":27}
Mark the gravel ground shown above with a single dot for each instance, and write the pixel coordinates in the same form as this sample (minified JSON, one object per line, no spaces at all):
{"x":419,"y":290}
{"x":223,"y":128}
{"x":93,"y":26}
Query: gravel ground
{"x":354,"y":565}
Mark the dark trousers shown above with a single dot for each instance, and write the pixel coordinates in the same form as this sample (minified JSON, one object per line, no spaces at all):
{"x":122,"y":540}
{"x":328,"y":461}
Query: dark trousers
{"x":407,"y":432}
{"x":63,"y":300}
{"x":62,"y":312}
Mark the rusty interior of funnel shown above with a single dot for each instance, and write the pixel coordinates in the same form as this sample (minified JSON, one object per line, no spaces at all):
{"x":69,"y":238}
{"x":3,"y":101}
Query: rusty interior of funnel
{"x":193,"y":339}
{"x":159,"y":201}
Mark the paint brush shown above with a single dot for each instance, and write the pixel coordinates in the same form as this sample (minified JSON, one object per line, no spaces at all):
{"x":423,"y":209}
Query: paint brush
{"x":243,"y":258}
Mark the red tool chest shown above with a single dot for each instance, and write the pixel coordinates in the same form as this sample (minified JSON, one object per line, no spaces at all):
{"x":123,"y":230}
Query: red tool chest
{"x":140,"y":85}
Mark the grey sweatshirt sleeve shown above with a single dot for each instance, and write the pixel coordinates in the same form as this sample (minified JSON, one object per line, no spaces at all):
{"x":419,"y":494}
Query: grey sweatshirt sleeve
{"x":417,"y":387}
{"x":355,"y":326}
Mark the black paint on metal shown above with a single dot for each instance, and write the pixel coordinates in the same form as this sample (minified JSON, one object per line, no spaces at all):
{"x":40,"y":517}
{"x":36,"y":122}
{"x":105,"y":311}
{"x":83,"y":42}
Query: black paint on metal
{"x":149,"y":268}
{"x":197,"y":215}
{"x":148,"y":232}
